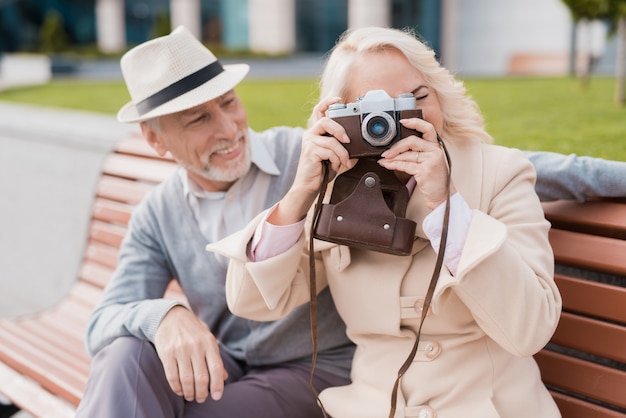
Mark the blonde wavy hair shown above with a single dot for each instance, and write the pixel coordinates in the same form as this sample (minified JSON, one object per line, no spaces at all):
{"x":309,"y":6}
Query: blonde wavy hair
{"x":461,"y":116}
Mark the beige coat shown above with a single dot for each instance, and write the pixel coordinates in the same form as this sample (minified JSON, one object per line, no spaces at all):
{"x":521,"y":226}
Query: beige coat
{"x":485,"y":323}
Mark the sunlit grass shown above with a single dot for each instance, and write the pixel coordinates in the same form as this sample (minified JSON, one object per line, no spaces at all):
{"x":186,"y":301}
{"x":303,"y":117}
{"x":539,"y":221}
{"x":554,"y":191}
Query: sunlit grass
{"x":554,"y":114}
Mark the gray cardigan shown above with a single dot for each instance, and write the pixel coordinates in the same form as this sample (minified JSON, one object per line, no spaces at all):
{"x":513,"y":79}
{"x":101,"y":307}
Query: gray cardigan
{"x":164,"y":241}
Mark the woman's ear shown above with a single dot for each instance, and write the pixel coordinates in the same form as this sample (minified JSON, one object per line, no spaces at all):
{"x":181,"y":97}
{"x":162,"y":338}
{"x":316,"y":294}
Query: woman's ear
{"x":154,"y":139}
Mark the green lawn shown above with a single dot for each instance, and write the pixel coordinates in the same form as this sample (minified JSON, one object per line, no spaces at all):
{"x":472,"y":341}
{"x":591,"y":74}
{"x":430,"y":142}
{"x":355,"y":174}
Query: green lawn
{"x":553,"y":114}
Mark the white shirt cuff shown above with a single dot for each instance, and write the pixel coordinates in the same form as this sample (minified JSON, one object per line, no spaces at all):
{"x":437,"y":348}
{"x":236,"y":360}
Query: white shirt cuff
{"x":460,"y":219}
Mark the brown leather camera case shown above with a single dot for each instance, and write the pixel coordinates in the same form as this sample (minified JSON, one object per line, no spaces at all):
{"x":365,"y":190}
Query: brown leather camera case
{"x":367,"y":210}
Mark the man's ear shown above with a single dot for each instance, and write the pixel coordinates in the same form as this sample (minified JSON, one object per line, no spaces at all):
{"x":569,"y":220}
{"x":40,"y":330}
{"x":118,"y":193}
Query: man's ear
{"x":153,"y":138}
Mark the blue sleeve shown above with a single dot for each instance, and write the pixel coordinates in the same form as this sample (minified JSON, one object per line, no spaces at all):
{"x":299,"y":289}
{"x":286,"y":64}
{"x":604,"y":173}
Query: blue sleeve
{"x":573,"y":177}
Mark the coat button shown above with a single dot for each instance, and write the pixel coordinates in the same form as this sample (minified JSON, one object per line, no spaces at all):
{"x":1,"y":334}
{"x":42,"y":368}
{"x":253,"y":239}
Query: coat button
{"x":432,"y":350}
{"x":426,"y":412}
{"x":419,"y":307}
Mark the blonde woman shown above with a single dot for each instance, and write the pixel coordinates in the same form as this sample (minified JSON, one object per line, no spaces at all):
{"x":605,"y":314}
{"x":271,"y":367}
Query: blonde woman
{"x":495,"y":303}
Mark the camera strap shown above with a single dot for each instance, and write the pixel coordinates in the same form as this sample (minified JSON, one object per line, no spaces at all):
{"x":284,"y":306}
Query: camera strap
{"x":312,"y":280}
{"x":427,"y":300}
{"x":431,"y":286}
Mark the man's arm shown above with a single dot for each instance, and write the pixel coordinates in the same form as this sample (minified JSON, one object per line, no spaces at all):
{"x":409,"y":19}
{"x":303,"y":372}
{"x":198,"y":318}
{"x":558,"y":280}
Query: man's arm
{"x":573,"y":177}
{"x":133,"y":305}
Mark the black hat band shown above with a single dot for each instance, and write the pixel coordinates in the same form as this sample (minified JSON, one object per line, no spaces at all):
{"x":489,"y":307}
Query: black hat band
{"x":180,"y":87}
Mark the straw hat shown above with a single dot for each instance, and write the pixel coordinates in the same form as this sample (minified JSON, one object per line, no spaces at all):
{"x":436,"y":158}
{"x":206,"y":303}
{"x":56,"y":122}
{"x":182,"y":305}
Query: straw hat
{"x":173,"y":73}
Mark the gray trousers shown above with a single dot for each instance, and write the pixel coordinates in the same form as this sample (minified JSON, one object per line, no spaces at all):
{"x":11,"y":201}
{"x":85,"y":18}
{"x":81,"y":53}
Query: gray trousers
{"x":127,"y":380}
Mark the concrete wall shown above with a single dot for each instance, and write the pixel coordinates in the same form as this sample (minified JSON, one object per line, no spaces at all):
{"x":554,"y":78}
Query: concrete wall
{"x":483,"y":37}
{"x":49,"y":164}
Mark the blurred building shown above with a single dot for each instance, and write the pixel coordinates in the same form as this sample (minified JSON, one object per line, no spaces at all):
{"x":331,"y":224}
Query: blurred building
{"x":473,"y":37}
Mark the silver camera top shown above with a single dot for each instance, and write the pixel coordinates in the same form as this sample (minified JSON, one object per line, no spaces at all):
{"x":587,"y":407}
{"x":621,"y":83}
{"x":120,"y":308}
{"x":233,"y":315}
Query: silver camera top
{"x":373,"y":101}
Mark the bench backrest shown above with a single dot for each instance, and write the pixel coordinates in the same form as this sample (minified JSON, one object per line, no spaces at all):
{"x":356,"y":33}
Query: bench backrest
{"x":49,"y":347}
{"x":585,"y":363}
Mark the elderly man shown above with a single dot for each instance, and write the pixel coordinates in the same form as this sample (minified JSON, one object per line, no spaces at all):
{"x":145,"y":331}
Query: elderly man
{"x":154,"y":357}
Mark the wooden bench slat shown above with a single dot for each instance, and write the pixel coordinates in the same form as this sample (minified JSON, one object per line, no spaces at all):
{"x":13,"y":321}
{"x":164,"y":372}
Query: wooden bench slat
{"x":95,"y":273}
{"x":604,"y":217}
{"x":73,"y":313}
{"x":70,"y":311}
{"x":40,"y":345}
{"x":582,"y":377}
{"x":64,"y":322}
{"x":67,"y":350}
{"x":592,"y":336}
{"x":139,"y":147}
{"x":592,"y":298}
{"x":109,"y":211}
{"x":574,"y":407}
{"x":70,"y":314}
{"x":102,"y":254}
{"x":106,"y":233}
{"x":51,"y":375}
{"x":86,"y":292}
{"x":585,"y":251}
{"x":134,"y":168}
{"x":53,"y":321}
{"x":122,"y":190}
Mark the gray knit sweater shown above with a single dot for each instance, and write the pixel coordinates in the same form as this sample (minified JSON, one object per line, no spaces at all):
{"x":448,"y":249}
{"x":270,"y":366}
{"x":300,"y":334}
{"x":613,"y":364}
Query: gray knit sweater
{"x":164,"y":241}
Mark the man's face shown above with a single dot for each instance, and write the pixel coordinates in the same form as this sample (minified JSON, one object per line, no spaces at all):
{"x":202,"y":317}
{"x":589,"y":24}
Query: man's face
{"x":209,"y":140}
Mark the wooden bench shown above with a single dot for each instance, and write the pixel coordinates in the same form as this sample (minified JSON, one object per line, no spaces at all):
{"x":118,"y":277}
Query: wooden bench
{"x":44,"y":365}
{"x":43,"y":360}
{"x":585,"y":363}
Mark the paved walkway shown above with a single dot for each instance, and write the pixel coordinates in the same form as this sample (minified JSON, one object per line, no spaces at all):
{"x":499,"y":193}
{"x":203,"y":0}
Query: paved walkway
{"x":297,"y":65}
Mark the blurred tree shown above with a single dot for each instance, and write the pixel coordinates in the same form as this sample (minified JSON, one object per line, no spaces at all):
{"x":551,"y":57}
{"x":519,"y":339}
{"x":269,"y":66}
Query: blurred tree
{"x":52,"y":36}
{"x":614,"y":12}
{"x":586,"y":11}
{"x":617,"y":18}
{"x":162,"y":25}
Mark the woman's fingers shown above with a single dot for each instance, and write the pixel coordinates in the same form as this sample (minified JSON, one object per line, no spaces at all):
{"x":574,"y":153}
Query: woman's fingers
{"x":319,"y":111}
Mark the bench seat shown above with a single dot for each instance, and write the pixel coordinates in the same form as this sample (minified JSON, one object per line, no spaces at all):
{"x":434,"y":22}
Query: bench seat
{"x":43,"y":360}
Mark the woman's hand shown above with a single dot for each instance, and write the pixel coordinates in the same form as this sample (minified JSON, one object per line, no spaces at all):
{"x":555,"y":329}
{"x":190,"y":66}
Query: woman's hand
{"x":322,"y":141}
{"x":423,"y":158}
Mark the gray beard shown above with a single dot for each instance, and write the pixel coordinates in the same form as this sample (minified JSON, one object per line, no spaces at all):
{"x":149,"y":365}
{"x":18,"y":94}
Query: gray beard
{"x":229,"y":174}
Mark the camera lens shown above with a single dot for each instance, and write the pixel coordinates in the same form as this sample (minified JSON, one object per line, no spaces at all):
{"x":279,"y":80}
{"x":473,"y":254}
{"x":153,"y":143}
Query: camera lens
{"x":378,"y":129}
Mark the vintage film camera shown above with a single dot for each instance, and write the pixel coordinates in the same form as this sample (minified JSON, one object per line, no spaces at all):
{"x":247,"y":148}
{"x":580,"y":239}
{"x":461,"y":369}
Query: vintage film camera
{"x":368,"y":204}
{"x":372,"y":121}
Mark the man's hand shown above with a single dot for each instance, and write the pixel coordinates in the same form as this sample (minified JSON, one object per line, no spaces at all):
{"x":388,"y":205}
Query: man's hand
{"x":190,"y":356}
